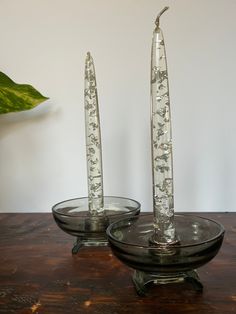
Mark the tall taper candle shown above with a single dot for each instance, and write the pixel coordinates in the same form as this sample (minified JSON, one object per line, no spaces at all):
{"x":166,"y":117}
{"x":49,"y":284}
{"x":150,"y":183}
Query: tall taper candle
{"x":93,"y":139}
{"x":162,"y":165}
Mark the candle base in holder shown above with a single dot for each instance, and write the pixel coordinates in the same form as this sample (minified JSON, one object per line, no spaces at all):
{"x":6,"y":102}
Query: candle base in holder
{"x":74,"y":217}
{"x":199,"y":241}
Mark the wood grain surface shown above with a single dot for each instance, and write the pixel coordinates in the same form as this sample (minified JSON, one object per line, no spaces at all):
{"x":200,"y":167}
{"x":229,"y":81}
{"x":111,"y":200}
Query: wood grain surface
{"x":38,"y":274}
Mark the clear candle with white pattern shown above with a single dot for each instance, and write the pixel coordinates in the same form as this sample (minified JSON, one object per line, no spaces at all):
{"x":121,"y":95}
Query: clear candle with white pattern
{"x":93,"y":139}
{"x":161,"y":138}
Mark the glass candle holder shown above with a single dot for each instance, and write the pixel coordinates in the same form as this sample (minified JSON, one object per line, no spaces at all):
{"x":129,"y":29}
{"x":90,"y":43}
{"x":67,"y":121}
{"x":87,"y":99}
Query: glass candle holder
{"x":199,"y":241}
{"x":74,"y":217}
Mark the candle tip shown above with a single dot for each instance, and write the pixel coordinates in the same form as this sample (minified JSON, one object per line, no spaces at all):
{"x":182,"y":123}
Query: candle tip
{"x":157,"y":22}
{"x":88,"y":55}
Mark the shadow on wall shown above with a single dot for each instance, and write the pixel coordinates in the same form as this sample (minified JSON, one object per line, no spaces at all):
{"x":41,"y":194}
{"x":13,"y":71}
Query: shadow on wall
{"x":25,"y":163}
{"x":11,"y":122}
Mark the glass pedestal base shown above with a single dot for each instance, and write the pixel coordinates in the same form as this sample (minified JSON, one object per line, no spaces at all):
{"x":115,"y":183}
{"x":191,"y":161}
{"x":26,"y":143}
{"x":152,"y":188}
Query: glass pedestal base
{"x":142,"y":279}
{"x":79,"y":243}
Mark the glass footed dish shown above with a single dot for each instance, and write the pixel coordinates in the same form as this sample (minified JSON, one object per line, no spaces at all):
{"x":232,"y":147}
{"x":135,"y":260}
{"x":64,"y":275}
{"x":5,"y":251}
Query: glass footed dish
{"x":199,"y":240}
{"x":73,"y":217}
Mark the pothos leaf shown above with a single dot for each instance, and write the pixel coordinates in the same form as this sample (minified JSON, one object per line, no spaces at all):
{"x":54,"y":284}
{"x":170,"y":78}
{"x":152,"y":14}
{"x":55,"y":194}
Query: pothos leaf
{"x":17,"y":97}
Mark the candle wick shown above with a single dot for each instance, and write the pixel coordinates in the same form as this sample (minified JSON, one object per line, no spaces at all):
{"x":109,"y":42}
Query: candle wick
{"x":157,"y":22}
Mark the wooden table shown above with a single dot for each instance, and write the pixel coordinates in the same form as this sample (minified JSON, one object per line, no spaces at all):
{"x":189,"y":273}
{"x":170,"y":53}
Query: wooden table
{"x":38,"y":274}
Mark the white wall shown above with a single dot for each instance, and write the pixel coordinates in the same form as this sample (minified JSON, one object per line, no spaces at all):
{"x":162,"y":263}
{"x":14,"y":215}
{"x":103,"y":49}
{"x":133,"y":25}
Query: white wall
{"x":42,"y":152}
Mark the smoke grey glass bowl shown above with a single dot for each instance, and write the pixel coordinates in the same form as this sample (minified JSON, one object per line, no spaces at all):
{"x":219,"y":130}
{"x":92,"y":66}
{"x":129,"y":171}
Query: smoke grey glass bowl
{"x":73,"y":217}
{"x":199,"y":240}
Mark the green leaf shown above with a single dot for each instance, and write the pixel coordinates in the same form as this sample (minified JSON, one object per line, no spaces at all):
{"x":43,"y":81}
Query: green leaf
{"x":17,"y":97}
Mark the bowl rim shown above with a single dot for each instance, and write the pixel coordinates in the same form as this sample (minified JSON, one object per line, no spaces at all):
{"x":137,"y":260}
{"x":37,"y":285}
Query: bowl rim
{"x":136,"y":209}
{"x":219,"y":234}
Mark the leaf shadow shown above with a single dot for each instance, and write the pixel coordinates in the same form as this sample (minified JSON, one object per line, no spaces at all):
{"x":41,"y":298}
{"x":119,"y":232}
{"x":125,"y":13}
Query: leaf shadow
{"x":12,"y":122}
